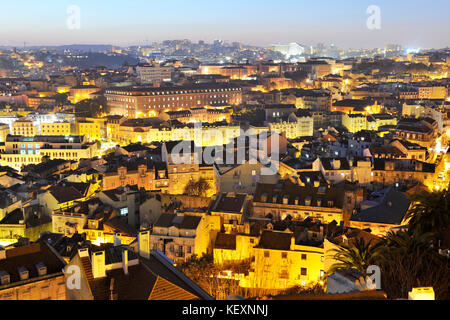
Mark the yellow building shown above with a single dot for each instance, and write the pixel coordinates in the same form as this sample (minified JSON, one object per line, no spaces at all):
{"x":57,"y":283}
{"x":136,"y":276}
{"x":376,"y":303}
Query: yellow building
{"x":229,"y":248}
{"x":93,"y":128}
{"x":208,"y":135}
{"x":281,"y":264}
{"x":374,"y":122}
{"x":24,"y":127}
{"x":433,"y":92}
{"x":294,"y":126}
{"x":4,"y":131}
{"x":182,"y":235}
{"x":33,"y":272}
{"x":22,"y":150}
{"x":354,"y":122}
{"x":81,"y":93}
{"x":56,"y":129}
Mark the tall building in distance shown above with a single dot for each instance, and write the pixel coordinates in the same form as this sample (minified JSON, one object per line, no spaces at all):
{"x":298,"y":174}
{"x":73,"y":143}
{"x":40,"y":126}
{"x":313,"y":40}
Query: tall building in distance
{"x":154,"y":73}
{"x":289,"y":50}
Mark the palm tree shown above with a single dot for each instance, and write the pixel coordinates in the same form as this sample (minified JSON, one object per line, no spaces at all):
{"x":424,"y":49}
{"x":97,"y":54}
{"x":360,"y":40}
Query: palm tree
{"x":408,"y":260}
{"x":402,"y":243}
{"x":358,"y":255}
{"x":431,"y":213}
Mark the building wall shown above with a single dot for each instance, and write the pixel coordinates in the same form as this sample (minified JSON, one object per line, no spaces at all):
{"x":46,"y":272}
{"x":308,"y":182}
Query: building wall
{"x":244,"y":250}
{"x":51,"y":287}
{"x":56,"y":129}
{"x":277,"y":269}
{"x":243,"y":178}
{"x":280,"y":211}
{"x":134,"y":104}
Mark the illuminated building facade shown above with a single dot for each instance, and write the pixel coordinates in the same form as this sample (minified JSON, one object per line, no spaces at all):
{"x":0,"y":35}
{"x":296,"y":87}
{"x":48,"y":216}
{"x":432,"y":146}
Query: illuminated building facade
{"x":280,"y":263}
{"x":180,"y":236}
{"x":322,"y":203}
{"x":138,"y":102}
{"x":154,"y":73}
{"x":24,"y":127}
{"x":20,"y":150}
{"x":81,"y":93}
{"x":33,"y":272}
{"x":56,"y":129}
{"x":93,"y":128}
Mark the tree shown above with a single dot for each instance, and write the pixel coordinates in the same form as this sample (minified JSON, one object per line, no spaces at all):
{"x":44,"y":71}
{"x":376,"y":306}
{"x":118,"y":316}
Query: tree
{"x":253,"y":116}
{"x":358,"y":255}
{"x":431,"y":213}
{"x":92,"y":107}
{"x":409,"y":260}
{"x":406,"y":260}
{"x":61,"y":99}
{"x":298,"y":76}
{"x":197,"y":188}
{"x":206,"y":274}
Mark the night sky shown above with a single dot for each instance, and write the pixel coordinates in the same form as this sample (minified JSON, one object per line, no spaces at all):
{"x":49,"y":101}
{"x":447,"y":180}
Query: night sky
{"x":414,"y":23}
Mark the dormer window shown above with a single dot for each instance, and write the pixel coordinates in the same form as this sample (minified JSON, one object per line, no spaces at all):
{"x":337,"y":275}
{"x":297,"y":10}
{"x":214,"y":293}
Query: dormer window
{"x":264,"y":197}
{"x":23,"y":273}
{"x":5,"y":278}
{"x":41,"y":269}
{"x":308,"y":201}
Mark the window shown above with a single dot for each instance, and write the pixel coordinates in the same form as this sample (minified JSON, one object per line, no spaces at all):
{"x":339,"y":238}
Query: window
{"x":303,"y":256}
{"x":124,"y":212}
{"x":266,"y":254}
{"x":284,"y":255}
{"x":303,"y":271}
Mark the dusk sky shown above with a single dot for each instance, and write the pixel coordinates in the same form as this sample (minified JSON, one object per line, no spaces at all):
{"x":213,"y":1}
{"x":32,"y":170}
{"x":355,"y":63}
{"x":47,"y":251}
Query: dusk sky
{"x":413,"y":23}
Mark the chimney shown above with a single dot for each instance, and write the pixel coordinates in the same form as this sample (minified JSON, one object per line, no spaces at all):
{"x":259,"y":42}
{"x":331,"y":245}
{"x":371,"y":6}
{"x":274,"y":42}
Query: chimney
{"x":336,"y":164}
{"x":98,"y":264}
{"x":125,"y":261}
{"x":113,"y":294}
{"x":144,"y":244}
{"x":426,"y":293}
{"x":117,"y":239}
{"x":23,"y":273}
{"x":247,"y":227}
{"x":92,"y":207}
{"x":418,"y":166}
{"x":5,"y":278}
{"x":41,"y":269}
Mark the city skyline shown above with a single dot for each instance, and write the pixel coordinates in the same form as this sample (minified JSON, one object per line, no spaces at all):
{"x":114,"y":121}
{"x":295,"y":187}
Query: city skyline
{"x":343,"y":24}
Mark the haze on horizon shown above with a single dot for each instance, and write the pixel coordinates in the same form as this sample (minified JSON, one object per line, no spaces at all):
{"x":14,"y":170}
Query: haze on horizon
{"x":410,"y":23}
